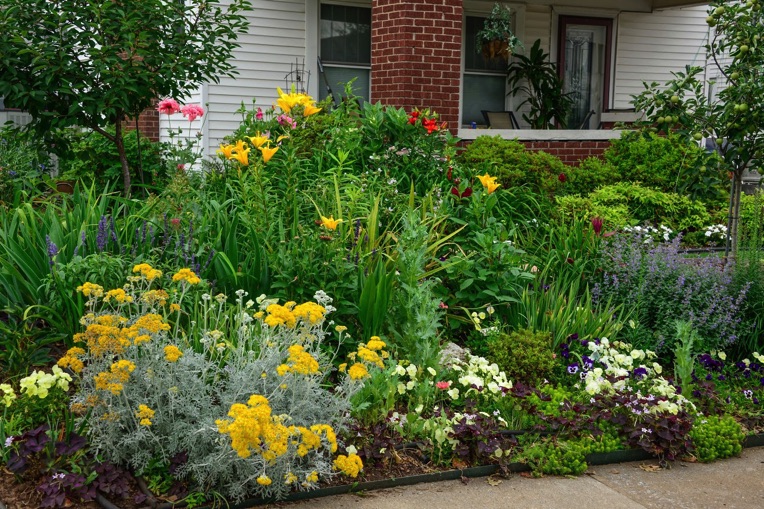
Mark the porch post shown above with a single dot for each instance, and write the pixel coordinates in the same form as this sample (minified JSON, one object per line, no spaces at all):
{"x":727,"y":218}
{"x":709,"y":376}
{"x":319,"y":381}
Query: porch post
{"x":416,"y":55}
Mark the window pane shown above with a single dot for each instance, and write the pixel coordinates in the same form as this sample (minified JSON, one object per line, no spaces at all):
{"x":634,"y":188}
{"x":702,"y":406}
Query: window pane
{"x":482,"y":93}
{"x":345,"y":34}
{"x":338,"y":76}
{"x":473,"y":56}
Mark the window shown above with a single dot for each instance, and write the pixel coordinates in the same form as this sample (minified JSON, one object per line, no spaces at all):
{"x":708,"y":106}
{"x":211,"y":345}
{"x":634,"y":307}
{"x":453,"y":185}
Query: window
{"x":345,"y":49}
{"x":485,"y":79}
{"x":584,"y":63}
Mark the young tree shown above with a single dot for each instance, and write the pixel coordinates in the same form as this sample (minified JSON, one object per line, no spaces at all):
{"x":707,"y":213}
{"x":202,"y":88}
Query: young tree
{"x":733,"y":118}
{"x":96,"y":63}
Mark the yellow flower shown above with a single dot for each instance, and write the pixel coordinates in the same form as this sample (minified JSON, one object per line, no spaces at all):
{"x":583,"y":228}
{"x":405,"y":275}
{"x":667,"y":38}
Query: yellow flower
{"x":89,"y":289}
{"x":188,"y":276}
{"x":8,"y":394}
{"x":488,"y":182}
{"x":310,"y":110}
{"x":288,"y":101}
{"x":174,"y":307}
{"x":375,"y":344}
{"x":240,"y":146}
{"x":145,"y":414}
{"x":358,"y":371}
{"x":349,"y":465}
{"x":258,"y":140}
{"x":309,"y":312}
{"x":330,"y":223}
{"x":242,"y":156}
{"x":268,"y":152}
{"x":340,"y":328}
{"x":279,"y":315}
{"x":342,"y":367}
{"x":226,"y":151}
{"x":312,"y":477}
{"x":118,"y":295}
{"x":264,"y":480}
{"x":172,"y":353}
{"x":147,"y":271}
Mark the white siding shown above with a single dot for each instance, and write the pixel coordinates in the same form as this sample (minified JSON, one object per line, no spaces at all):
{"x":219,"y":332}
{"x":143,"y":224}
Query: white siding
{"x":276,"y":39}
{"x":538,"y":25}
{"x":651,"y":46}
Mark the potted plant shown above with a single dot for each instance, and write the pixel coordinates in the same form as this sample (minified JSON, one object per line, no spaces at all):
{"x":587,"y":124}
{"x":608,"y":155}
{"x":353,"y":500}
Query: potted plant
{"x":496,"y":39}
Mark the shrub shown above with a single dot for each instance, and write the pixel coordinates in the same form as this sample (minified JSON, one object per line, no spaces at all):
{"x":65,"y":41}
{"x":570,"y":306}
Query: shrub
{"x":590,"y":174}
{"x":524,"y":355}
{"x":23,"y":161}
{"x":513,"y":165}
{"x":669,"y":163}
{"x":155,"y":392}
{"x":717,"y":437}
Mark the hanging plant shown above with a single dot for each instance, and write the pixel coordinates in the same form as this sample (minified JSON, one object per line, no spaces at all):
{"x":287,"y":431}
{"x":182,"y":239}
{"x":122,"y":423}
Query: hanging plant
{"x":496,"y":39}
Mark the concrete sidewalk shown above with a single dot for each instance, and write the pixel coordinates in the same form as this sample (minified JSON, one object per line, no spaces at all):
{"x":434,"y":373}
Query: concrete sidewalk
{"x":736,"y":483}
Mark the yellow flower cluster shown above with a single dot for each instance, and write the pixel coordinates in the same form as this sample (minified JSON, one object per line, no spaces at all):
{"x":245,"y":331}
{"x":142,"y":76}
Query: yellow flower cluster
{"x":488,"y":182}
{"x":309,"y":312}
{"x":371,"y":353}
{"x":72,"y":360}
{"x":154,"y":297}
{"x":288,"y":101}
{"x":145,"y":414}
{"x":264,"y":480}
{"x":8,"y":394}
{"x":187,"y":276}
{"x":299,"y":361}
{"x":280,"y":315}
{"x":147,"y":272}
{"x":150,"y":323}
{"x":91,"y":290}
{"x":114,"y":379}
{"x":358,"y":371}
{"x":105,"y":336}
{"x":349,"y":465}
{"x":119,"y":295}
{"x":172,"y":353}
{"x":254,"y":429}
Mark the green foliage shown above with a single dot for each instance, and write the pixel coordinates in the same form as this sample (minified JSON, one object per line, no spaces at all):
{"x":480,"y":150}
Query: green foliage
{"x":523,"y":355}
{"x":513,"y":165}
{"x":567,"y":457}
{"x":749,"y":272}
{"x":127,"y":46}
{"x":643,"y":205}
{"x":716,"y":438}
{"x":535,"y":77}
{"x":374,"y":301}
{"x":684,"y":359}
{"x":25,"y":341}
{"x":574,"y":208}
{"x":590,"y":174}
{"x":23,"y":163}
{"x":671,"y":163}
{"x":498,"y":26}
{"x":89,"y":157}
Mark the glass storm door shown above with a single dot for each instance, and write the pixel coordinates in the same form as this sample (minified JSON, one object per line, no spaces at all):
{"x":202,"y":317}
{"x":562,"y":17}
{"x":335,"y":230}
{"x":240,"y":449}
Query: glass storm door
{"x":584,"y":55}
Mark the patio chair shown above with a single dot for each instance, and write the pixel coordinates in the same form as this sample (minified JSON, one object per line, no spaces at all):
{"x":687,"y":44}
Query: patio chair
{"x":500,"y":119}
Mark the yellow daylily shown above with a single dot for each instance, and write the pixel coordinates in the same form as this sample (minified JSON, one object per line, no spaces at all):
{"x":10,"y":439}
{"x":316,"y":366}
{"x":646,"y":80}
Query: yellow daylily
{"x":488,"y":182}
{"x":226,"y":151}
{"x":242,"y":156}
{"x":258,"y":140}
{"x":288,"y":101}
{"x":240,"y":146}
{"x":310,"y":109}
{"x":282,"y":137}
{"x":268,"y":152}
{"x":330,"y":223}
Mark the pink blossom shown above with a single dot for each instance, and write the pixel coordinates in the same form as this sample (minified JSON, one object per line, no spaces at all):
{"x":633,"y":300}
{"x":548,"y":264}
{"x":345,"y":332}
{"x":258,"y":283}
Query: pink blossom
{"x":443,"y":385}
{"x":259,"y":114}
{"x":284,"y":119}
{"x":168,"y":106}
{"x":192,"y":111}
{"x":181,"y":167}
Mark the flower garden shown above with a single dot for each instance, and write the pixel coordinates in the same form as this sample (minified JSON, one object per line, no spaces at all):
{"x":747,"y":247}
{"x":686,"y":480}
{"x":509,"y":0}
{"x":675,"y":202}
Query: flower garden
{"x":349,"y":293}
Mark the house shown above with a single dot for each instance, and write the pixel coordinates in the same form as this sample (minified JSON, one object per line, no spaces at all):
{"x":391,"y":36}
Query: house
{"x":421,"y":53}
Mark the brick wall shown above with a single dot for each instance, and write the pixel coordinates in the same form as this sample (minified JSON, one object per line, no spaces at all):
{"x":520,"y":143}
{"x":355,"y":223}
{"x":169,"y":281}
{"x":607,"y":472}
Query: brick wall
{"x":416,"y":55}
{"x":148,"y":124}
{"x":570,"y":152}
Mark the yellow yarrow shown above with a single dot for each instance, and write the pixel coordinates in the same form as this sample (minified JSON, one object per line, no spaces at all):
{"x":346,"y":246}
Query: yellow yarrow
{"x":375,"y":344}
{"x":264,"y":480}
{"x":147,"y":272}
{"x":118,"y":295}
{"x":114,"y":379}
{"x":279,"y":315}
{"x":91,"y":290}
{"x":358,"y":371}
{"x":145,"y":414}
{"x":187,"y":276}
{"x":309,"y":312}
{"x":71,"y":359}
{"x":301,"y":361}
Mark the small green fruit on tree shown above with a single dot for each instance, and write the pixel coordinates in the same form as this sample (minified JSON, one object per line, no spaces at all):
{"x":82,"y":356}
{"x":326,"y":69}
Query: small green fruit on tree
{"x":684,"y":105}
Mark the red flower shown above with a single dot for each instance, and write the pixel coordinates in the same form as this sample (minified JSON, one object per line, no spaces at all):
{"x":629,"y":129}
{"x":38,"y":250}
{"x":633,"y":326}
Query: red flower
{"x":413,"y":118}
{"x":562,"y":177}
{"x":449,"y":173}
{"x":430,"y":125}
{"x":443,"y":385}
{"x":597,"y":225}
{"x":464,"y":194}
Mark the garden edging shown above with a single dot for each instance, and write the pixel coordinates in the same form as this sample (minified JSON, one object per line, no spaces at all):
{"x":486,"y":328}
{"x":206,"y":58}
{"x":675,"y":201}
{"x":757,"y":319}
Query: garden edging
{"x":606,"y":458}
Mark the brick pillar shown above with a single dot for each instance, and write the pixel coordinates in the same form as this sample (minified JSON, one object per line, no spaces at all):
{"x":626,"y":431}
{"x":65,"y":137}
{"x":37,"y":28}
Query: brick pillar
{"x":148,"y":124}
{"x":416,"y":55}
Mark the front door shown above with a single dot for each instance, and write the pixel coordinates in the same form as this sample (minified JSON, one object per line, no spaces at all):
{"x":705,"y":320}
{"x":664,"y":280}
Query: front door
{"x":584,"y":64}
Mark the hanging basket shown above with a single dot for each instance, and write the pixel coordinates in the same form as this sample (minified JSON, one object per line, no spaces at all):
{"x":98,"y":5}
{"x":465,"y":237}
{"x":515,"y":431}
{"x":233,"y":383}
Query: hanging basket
{"x":494,"y":49}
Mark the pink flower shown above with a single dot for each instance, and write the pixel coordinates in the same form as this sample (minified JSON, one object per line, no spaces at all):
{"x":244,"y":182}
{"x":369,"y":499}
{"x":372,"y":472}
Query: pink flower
{"x":284,"y":119}
{"x":192,"y":111}
{"x":259,"y":114}
{"x":597,"y":225}
{"x":181,"y":167}
{"x":168,"y":106}
{"x":443,"y":385}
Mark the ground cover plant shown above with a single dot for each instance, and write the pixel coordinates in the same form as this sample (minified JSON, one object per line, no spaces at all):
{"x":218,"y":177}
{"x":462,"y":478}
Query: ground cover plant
{"x":340,"y":296}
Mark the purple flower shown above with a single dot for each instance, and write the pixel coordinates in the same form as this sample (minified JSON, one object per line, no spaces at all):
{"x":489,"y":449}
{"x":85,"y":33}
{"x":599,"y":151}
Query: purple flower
{"x":588,"y":363}
{"x":748,"y":394}
{"x":9,"y":441}
{"x":722,"y":377}
{"x":762,"y":381}
{"x":709,"y":377}
{"x":639,"y":373}
{"x":573,"y":368}
{"x":755,"y":400}
{"x":102,"y":237}
{"x":52,"y":249}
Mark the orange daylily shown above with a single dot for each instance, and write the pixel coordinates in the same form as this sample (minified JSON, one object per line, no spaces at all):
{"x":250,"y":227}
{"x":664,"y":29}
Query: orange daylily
{"x":268,"y":152}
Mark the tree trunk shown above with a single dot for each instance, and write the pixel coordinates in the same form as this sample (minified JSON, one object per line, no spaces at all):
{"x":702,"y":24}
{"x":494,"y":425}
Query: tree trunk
{"x":120,"y":142}
{"x":734,"y":214}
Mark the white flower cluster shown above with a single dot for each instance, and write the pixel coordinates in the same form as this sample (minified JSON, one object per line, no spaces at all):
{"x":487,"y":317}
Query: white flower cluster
{"x":632,"y":375}
{"x":478,"y":377}
{"x":651,"y":233}
{"x":411,"y":372}
{"x":716,"y":232}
